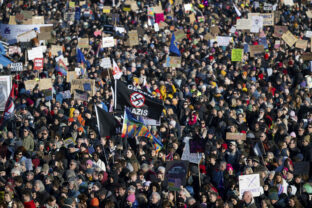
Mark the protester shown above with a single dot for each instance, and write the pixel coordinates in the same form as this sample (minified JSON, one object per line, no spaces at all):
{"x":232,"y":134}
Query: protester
{"x":104,"y":101}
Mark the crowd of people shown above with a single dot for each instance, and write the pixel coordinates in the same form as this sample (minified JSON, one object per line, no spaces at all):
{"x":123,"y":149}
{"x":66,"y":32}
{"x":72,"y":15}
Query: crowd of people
{"x":266,"y":96}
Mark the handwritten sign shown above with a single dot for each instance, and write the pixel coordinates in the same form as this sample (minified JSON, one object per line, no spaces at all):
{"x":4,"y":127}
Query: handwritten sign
{"x":175,"y":61}
{"x":235,"y":136}
{"x":45,"y":84}
{"x":187,"y":155}
{"x":133,"y":38}
{"x":279,"y":31}
{"x":268,"y":19}
{"x":289,"y":38}
{"x":15,"y":67}
{"x":108,"y":42}
{"x":38,"y":63}
{"x":30,"y":84}
{"x":70,"y":76}
{"x":106,"y":63}
{"x":307,"y":56}
{"x":237,"y":54}
{"x":302,"y":44}
{"x":79,"y":95}
{"x":243,"y":24}
{"x":83,"y":85}
{"x":249,"y":183}
{"x":224,"y":40}
{"x":38,"y":20}
{"x":55,"y":49}
{"x":83,"y":43}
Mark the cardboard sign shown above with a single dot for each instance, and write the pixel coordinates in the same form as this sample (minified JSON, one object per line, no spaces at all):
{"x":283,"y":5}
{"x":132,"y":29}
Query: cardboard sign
{"x":83,"y":85}
{"x":179,"y":35}
{"x":16,"y":67}
{"x":83,"y":43}
{"x":44,"y":36}
{"x":45,"y":84}
{"x":175,"y":61}
{"x":302,"y":168}
{"x":307,"y":56}
{"x":214,"y":30}
{"x":134,"y":6}
{"x":27,"y":36}
{"x":243,"y":24}
{"x":187,"y":155}
{"x":277,"y":44}
{"x":249,"y":183}
{"x":12,"y":20}
{"x":289,"y":38}
{"x":108,"y":42}
{"x":30,"y":84}
{"x":38,"y":63}
{"x":279,"y":31}
{"x":70,"y":76}
{"x":192,"y":18}
{"x":46,"y":29}
{"x":133,"y":38}
{"x":106,"y":63}
{"x":208,"y":36}
{"x":268,"y":19}
{"x":235,"y":136}
{"x":55,"y":49}
{"x":26,"y":14}
{"x":175,"y":174}
{"x":38,"y":20}
{"x":79,"y":95}
{"x":302,"y":44}
{"x":237,"y":54}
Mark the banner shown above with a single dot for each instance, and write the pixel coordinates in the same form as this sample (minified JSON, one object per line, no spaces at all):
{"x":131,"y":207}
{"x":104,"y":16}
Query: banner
{"x":16,"y":67}
{"x":175,"y":174}
{"x":249,"y":183}
{"x":237,"y":54}
{"x":139,"y":102}
{"x":10,"y":32}
{"x":106,"y":63}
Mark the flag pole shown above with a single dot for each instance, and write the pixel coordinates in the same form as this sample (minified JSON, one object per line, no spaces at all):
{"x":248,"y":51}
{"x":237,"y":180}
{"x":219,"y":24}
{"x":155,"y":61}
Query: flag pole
{"x":115,"y":100}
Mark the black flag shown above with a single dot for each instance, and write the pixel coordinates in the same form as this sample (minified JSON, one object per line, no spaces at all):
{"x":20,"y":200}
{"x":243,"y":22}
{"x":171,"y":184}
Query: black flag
{"x":139,"y":102}
{"x":108,"y":125}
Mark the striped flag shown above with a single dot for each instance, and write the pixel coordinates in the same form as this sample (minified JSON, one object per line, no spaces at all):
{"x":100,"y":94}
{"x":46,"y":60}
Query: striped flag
{"x":61,"y":67}
{"x":10,"y":106}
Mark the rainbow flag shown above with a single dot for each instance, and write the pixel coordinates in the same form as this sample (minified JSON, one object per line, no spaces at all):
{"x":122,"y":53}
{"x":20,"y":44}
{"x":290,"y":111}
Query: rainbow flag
{"x":132,"y":127}
{"x":61,"y":67}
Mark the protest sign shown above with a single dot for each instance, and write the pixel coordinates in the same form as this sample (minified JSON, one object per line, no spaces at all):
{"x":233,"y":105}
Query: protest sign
{"x":156,"y":27}
{"x":27,"y":36}
{"x":83,"y":43}
{"x":179,"y":35}
{"x":243,"y":24}
{"x":44,"y":36}
{"x":309,"y":13}
{"x":38,"y":63}
{"x":16,"y":67}
{"x":175,"y":174}
{"x":38,"y":20}
{"x":268,"y":19}
{"x":106,"y":9}
{"x":235,"y":136}
{"x":27,"y":14}
{"x":83,"y":85}
{"x":289,"y":2}
{"x":70,"y":76}
{"x":302,"y":44}
{"x":14,"y":49}
{"x":268,"y":7}
{"x":214,"y":30}
{"x":66,"y":94}
{"x":257,"y":24}
{"x":301,"y":168}
{"x":5,"y":86}
{"x":72,"y":4}
{"x":308,"y":34}
{"x":249,"y":183}
{"x":201,"y":18}
{"x":277,"y":44}
{"x":159,"y":17}
{"x":224,"y":40}
{"x":55,"y":49}
{"x":46,"y":28}
{"x":237,"y":54}
{"x":106,"y":63}
{"x":47,"y":93}
{"x":208,"y":36}
{"x":35,"y":53}
{"x":279,"y":31}
{"x":45,"y":84}
{"x":188,"y":7}
{"x":108,"y":42}
{"x":256,"y":50}
{"x":187,"y":155}
{"x":192,"y":18}
{"x":289,"y":38}
{"x":12,"y":20}
{"x":133,"y":38}
{"x":175,"y":61}
{"x":30,"y":84}
{"x":80,"y":95}
{"x":69,"y":141}
{"x":306,"y":56}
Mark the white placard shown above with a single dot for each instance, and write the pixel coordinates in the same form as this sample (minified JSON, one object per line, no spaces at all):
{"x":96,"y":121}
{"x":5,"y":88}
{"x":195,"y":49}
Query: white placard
{"x":120,"y":29}
{"x":308,"y":34}
{"x":249,"y":183}
{"x":106,"y":63}
{"x":156,"y":27}
{"x":35,"y":53}
{"x":17,"y":67}
{"x":243,"y":24}
{"x":27,"y":36}
{"x":187,"y":7}
{"x":257,"y":24}
{"x":108,"y":42}
{"x":289,"y":2}
{"x":224,"y":40}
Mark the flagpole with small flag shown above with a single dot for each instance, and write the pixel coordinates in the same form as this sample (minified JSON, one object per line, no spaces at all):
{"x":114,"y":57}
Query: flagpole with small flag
{"x":116,"y":74}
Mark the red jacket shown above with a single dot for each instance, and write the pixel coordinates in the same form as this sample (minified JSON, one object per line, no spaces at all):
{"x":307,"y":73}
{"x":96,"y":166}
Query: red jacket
{"x":30,"y":204}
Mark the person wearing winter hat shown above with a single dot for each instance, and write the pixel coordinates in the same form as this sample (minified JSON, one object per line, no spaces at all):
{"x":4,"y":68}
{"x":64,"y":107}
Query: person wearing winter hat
{"x":94,"y":203}
{"x":131,"y":201}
